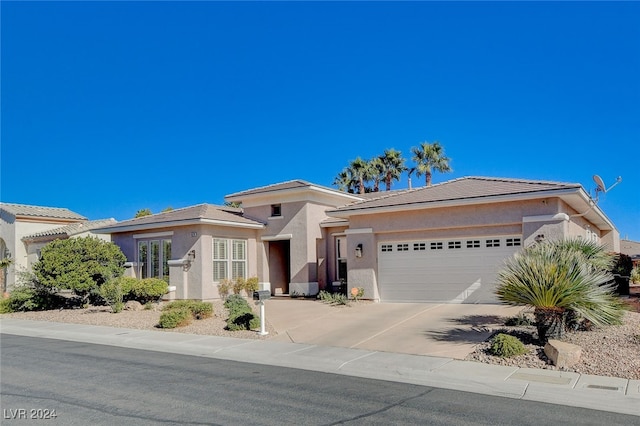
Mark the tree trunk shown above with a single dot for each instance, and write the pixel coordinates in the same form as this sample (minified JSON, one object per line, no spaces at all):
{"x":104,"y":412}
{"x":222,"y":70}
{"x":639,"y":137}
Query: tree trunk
{"x":550,"y":323}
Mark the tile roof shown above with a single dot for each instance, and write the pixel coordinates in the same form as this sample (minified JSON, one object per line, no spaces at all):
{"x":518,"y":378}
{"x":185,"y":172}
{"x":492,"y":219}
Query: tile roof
{"x":199,"y":212}
{"x":289,"y":185}
{"x":459,"y":189}
{"x":292,"y":184}
{"x":39,"y":211}
{"x":629,"y":247}
{"x":72,"y":229}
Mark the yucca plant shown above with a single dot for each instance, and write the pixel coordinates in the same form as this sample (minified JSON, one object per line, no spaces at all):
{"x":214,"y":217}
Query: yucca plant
{"x":557,"y":278}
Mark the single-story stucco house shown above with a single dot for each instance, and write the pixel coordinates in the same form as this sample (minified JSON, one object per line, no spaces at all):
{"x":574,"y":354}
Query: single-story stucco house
{"x":25,"y":229}
{"x":442,"y":243}
{"x":631,"y":249}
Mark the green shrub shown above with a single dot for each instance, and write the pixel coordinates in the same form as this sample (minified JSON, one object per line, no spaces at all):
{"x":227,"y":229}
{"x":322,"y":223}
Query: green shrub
{"x":505,"y":345}
{"x":30,"y":295}
{"x":147,"y":290}
{"x":243,"y":321}
{"x":241,"y":316}
{"x":324,"y":296}
{"x":558,"y":277}
{"x":173,"y":318}
{"x":198,"y":310}
{"x":5,"y":306}
{"x":112,"y":293}
{"x":635,"y":274}
{"x":236,"y":301}
{"x":623,"y":265}
{"x":201,"y":310}
{"x":519,"y":320}
{"x":79,"y":264}
{"x":333,"y":298}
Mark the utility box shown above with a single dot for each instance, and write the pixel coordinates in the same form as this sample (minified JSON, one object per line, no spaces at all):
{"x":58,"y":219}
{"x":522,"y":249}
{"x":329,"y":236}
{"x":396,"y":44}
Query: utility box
{"x":261,"y":295}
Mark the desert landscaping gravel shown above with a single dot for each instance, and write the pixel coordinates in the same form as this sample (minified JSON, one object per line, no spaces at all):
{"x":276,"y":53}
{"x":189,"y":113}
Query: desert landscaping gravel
{"x":612,"y":351}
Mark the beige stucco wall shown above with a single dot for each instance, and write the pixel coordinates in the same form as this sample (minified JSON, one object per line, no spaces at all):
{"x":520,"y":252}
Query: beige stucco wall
{"x":548,"y":217}
{"x":12,"y":231}
{"x":193,"y":281}
{"x":300,"y":224}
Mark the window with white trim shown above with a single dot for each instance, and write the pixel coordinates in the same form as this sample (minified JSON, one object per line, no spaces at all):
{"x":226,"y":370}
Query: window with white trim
{"x":229,"y":259}
{"x":386,"y":247}
{"x":419,"y":246}
{"x":341,"y":259}
{"x":454,"y":244}
{"x":402,"y":247}
{"x":437,"y":246}
{"x":153,"y":257}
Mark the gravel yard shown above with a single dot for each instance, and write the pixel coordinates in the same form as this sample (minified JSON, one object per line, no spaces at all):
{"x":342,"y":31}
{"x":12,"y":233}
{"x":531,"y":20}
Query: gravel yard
{"x":146,"y":319}
{"x":611,"y":351}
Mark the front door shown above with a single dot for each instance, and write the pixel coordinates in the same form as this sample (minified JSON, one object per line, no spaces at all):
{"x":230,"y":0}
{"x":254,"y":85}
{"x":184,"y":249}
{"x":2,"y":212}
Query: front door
{"x":279,"y":266}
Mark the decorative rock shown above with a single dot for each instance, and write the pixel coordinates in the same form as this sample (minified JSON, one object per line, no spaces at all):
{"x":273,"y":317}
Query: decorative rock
{"x":562,"y":354}
{"x":133,"y":305}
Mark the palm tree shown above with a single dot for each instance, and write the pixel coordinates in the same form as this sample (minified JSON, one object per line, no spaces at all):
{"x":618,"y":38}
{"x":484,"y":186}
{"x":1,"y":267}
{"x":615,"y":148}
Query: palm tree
{"x":557,"y":279}
{"x":392,"y":166}
{"x":376,"y":172}
{"x":428,"y":157}
{"x":361,"y":172}
{"x":344,"y":181}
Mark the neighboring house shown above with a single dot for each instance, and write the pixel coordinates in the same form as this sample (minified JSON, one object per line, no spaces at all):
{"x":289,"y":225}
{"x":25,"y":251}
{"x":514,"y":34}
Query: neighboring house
{"x":631,"y":249}
{"x":443,"y":243}
{"x":25,"y":229}
{"x":36,"y":241}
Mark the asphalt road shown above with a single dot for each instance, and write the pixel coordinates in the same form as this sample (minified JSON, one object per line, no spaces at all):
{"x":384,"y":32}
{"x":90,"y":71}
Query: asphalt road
{"x":83,"y":384}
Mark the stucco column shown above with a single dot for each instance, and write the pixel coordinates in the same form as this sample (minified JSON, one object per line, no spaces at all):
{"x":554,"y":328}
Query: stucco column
{"x":362,"y":264}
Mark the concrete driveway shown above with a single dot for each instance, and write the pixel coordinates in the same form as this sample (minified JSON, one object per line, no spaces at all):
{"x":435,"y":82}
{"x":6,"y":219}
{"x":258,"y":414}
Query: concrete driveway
{"x":444,"y":330}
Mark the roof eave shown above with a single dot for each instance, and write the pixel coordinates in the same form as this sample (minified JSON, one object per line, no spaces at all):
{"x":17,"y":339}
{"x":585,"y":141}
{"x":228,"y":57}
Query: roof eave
{"x":241,"y":196}
{"x":593,"y":213}
{"x":168,"y":224}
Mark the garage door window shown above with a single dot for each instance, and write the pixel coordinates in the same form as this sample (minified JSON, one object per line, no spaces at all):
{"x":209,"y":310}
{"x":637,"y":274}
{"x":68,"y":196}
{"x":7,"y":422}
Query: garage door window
{"x":493,"y":243}
{"x":513,"y":242}
{"x":386,"y":247}
{"x":473,"y":244}
{"x":419,"y":246}
{"x":454,"y":245}
{"x":436,"y":246}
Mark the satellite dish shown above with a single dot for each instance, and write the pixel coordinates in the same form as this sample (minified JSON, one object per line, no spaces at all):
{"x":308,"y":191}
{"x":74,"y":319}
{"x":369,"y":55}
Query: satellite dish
{"x":599,"y":182}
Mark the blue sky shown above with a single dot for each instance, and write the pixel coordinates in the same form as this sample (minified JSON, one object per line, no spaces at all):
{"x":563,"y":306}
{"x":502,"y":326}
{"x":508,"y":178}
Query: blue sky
{"x":111,"y":107}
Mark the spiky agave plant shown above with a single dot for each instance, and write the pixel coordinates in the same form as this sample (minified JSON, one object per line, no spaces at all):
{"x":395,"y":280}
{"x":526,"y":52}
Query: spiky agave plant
{"x":556,"y":278}
{"x":595,"y":254}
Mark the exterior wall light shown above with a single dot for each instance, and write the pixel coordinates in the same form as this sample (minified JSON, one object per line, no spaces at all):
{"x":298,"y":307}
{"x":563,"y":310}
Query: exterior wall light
{"x":359,"y":250}
{"x":539,"y":238}
{"x":191,"y":256}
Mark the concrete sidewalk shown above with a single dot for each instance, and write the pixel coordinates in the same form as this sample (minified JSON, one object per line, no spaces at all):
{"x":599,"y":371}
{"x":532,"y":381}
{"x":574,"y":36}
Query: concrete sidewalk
{"x":594,"y":392}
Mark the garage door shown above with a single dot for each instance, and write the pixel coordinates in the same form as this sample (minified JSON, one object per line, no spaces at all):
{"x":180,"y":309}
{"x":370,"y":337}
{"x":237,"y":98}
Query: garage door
{"x":451,"y":271}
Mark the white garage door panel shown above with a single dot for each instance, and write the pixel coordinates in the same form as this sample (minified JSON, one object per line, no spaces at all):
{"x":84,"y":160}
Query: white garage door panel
{"x":454,"y":275}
